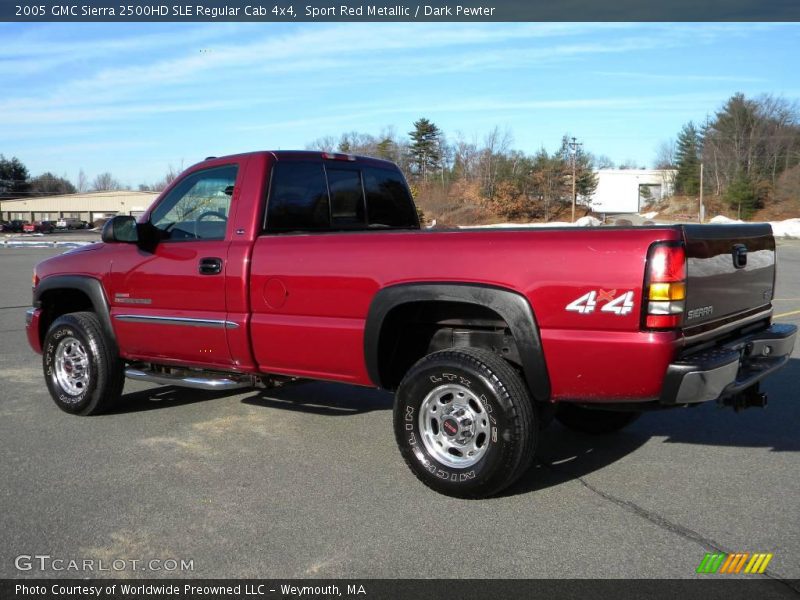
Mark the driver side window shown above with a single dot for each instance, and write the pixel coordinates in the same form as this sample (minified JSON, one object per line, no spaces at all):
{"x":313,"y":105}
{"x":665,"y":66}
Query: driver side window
{"x":198,"y":207}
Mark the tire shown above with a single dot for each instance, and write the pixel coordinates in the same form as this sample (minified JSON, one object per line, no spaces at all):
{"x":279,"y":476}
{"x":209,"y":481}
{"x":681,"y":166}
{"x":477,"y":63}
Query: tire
{"x":481,"y":429}
{"x":594,"y":421}
{"x":83,"y":372}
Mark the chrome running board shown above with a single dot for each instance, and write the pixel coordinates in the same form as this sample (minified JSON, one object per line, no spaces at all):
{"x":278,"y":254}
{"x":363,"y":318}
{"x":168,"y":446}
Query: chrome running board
{"x":200,"y":380}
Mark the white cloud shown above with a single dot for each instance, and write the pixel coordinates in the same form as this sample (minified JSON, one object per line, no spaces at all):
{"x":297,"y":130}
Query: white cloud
{"x":245,"y":54}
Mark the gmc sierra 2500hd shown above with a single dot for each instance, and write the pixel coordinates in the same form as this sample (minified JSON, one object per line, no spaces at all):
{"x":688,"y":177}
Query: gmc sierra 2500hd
{"x":264,"y":267}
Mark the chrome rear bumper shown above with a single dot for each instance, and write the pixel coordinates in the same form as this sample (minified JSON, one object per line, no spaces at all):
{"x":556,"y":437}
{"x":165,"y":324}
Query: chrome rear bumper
{"x":730,"y":368}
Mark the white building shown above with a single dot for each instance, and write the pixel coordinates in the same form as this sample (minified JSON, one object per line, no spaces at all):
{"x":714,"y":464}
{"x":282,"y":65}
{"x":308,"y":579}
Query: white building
{"x":629,"y":190}
{"x":88,"y":207}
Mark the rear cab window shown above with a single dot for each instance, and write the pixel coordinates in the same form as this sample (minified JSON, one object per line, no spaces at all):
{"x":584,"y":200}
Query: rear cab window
{"x":316,"y":196}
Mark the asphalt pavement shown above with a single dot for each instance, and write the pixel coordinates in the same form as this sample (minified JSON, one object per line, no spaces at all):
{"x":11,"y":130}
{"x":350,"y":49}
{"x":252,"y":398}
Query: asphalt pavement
{"x":306,"y":481}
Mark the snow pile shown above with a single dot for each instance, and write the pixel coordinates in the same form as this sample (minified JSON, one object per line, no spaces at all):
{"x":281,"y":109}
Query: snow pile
{"x":17,"y":243}
{"x":586,"y":221}
{"x":724,"y":220}
{"x":649,"y":216}
{"x":517,"y":225}
{"x":787,"y":228}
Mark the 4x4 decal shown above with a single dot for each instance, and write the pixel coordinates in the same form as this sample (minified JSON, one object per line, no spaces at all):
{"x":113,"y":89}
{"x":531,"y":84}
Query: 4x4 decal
{"x":618,"y":305}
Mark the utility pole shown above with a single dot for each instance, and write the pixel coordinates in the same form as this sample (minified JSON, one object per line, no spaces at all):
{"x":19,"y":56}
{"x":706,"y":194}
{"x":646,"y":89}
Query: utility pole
{"x":573,"y":145}
{"x":702,"y":208}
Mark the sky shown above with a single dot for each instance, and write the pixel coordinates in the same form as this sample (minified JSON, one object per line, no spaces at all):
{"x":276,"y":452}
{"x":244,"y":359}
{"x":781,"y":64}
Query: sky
{"x":136,"y":99}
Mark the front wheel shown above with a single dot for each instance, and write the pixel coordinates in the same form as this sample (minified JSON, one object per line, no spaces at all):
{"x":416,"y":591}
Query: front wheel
{"x":465,"y":422}
{"x":84,"y":374}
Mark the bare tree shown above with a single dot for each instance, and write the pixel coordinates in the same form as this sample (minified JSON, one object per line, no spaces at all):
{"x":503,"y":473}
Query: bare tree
{"x":665,"y":155}
{"x":495,"y":144}
{"x":326,"y":143}
{"x":629,"y":163}
{"x":170,"y":176}
{"x":105,"y":182}
{"x":82,"y":183}
{"x":603,"y":162}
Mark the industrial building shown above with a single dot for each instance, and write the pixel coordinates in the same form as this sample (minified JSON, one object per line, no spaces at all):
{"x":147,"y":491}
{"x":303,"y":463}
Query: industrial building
{"x":630,"y":190}
{"x":89,"y":206}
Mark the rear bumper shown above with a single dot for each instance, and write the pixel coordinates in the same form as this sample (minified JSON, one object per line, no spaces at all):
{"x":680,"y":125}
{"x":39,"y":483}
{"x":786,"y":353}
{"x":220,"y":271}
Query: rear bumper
{"x":728,"y":369}
{"x":32,"y":316}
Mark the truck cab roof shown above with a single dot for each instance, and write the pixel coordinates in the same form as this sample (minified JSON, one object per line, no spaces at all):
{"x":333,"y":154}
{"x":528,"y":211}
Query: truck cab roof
{"x":279,"y":155}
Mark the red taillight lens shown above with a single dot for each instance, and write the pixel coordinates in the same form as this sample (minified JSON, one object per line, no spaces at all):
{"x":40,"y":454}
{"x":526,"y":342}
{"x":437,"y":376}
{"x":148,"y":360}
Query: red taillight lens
{"x":665,"y":285}
{"x":667,"y":264}
{"x":662,"y":321}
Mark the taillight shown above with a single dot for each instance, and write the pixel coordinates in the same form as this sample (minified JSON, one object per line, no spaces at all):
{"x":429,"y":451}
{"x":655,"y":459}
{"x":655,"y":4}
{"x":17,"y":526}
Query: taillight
{"x":34,"y":279}
{"x":665,"y":286}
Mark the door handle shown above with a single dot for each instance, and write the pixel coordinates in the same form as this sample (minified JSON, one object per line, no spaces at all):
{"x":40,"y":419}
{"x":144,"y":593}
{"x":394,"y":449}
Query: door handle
{"x":210,"y":266}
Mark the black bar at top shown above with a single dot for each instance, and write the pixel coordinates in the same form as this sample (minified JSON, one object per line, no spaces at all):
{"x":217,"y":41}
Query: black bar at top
{"x":434,"y":10}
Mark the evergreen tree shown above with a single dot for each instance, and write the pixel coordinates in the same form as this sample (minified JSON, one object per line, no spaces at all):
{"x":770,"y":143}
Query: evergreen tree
{"x":687,"y":159}
{"x":48,"y":184}
{"x":386,"y":148}
{"x":426,"y":148}
{"x":14,"y":178}
{"x":585,"y":177}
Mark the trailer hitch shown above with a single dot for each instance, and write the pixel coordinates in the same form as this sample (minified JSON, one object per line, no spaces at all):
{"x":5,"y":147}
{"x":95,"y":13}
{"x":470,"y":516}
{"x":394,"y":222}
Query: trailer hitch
{"x":749,"y":398}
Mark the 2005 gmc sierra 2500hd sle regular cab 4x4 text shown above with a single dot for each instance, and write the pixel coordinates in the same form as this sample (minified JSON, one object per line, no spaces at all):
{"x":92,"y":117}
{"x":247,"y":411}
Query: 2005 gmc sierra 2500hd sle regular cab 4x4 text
{"x":261,"y":268}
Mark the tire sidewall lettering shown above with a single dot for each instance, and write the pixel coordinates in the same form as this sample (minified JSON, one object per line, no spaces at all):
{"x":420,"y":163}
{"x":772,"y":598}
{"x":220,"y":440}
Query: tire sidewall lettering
{"x":68,"y":401}
{"x":410,"y":405}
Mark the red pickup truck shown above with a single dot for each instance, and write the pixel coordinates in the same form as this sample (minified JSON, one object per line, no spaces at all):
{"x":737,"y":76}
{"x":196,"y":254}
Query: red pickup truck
{"x":261,"y":268}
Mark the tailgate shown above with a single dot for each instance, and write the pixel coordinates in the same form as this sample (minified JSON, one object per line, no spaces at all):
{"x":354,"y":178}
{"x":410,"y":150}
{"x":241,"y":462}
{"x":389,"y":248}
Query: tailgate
{"x":731,"y":271}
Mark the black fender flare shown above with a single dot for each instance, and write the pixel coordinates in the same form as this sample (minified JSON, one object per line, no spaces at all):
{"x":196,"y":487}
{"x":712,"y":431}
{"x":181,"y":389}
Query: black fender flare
{"x":89,"y":286}
{"x":512,"y":306}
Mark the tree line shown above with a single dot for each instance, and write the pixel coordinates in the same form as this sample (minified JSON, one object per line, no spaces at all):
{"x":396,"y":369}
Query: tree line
{"x":453,"y":177}
{"x":16,"y":182}
{"x":749,"y":150}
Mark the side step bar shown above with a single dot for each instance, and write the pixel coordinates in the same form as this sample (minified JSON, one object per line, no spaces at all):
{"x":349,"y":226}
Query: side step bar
{"x":200,"y":380}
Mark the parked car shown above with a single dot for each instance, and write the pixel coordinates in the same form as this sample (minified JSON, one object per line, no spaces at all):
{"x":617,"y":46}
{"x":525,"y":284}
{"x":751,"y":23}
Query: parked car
{"x":484,"y":335}
{"x":69,"y":223}
{"x":14,"y":226}
{"x":39,"y":227}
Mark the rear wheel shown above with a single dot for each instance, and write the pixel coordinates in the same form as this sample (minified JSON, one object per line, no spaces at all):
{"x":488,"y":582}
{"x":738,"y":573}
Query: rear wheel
{"x":587,"y":420}
{"x":465,"y":423}
{"x":82,"y":370}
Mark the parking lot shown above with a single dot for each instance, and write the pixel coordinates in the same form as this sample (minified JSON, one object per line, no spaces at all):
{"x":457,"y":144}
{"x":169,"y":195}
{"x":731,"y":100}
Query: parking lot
{"x":307,"y":482}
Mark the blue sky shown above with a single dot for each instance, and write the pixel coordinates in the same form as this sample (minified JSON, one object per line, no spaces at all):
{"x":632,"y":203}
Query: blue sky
{"x":135,"y":98}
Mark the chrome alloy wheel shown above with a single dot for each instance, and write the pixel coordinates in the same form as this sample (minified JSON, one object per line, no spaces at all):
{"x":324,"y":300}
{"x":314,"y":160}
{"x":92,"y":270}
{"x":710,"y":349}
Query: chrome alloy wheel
{"x":454,"y":426}
{"x":72,"y":366}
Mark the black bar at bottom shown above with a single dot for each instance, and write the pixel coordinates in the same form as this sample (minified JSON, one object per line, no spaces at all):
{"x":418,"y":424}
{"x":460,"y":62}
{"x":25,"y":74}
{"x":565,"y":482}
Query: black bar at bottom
{"x":710,"y":588}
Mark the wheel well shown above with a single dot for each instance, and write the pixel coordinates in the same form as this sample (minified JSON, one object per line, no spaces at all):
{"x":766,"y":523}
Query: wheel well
{"x":415,"y":329}
{"x":59,"y":302}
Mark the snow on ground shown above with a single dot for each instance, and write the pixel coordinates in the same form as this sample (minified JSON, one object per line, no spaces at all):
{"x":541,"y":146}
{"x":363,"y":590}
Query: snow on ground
{"x":724,"y":220}
{"x":586,"y":221}
{"x":786,"y":228}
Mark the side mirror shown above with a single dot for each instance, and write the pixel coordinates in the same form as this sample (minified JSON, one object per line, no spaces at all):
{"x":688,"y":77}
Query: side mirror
{"x":120,"y":229}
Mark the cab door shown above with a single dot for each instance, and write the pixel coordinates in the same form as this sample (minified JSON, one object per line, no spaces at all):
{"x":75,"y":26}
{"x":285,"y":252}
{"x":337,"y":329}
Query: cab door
{"x":168,"y":299}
